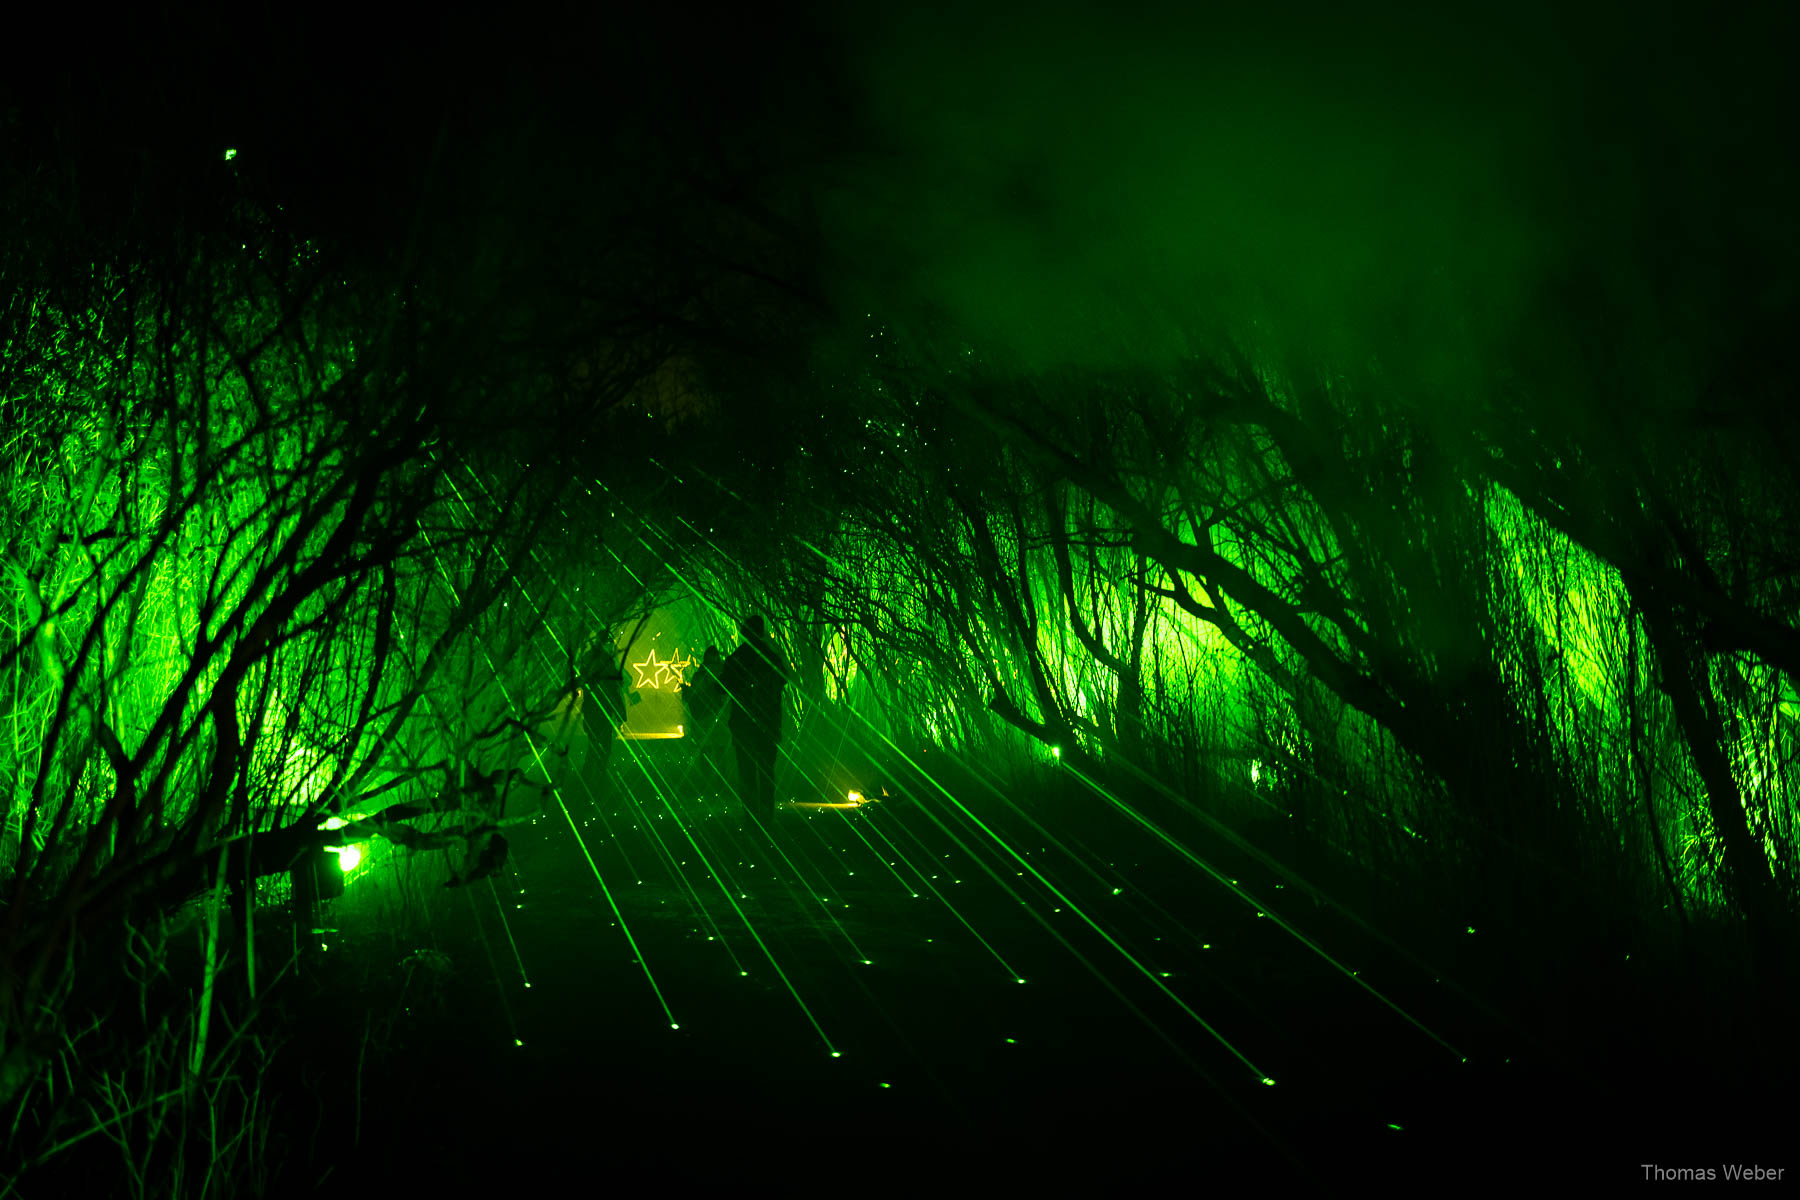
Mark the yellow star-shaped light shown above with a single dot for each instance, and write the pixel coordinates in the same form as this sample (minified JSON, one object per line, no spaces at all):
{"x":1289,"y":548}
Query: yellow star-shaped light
{"x":650,"y":672}
{"x":678,"y":670}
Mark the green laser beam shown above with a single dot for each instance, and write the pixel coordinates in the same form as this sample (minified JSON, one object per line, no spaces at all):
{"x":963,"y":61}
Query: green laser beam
{"x":1244,"y":895}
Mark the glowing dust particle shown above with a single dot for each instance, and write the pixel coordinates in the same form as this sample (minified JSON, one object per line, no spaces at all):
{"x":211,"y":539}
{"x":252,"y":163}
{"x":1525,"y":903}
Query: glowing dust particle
{"x":1393,"y":1126}
{"x":1267,"y":1082}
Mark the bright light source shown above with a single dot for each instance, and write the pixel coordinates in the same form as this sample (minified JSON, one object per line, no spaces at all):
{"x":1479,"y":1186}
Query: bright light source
{"x":348,"y":857}
{"x":1056,"y":752}
{"x":333,"y":823}
{"x":856,"y":797}
{"x":230,"y":154}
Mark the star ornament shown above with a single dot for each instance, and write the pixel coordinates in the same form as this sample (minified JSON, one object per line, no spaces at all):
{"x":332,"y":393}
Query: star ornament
{"x":656,"y":673}
{"x":650,"y":672}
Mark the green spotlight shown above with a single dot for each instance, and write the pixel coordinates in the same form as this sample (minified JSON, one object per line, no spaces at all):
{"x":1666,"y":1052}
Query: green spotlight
{"x":348,"y":857}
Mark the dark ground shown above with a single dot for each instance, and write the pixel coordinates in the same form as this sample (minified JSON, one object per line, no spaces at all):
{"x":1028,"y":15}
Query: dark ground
{"x":1054,"y":1084}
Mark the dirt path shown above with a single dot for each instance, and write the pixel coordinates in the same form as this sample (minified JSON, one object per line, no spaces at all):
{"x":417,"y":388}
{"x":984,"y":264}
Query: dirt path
{"x":1100,"y":1069}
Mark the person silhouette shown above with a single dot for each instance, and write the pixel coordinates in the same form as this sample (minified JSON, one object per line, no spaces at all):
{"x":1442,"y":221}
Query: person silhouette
{"x":601,"y":707}
{"x":703,"y":705}
{"x":753,"y":677}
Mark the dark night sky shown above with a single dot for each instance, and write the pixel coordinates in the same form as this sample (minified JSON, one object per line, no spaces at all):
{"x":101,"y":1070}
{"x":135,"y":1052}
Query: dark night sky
{"x":1068,"y":182}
